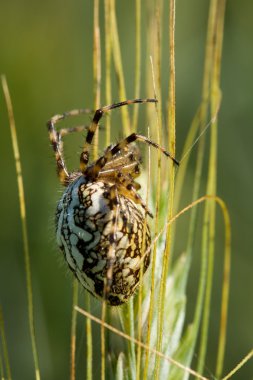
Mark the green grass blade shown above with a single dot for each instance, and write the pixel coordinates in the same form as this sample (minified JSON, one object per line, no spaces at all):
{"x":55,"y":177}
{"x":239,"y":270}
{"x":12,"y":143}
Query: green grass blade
{"x":5,"y":350}
{"x":108,"y":56}
{"x":119,"y":69}
{"x":89,"y":344}
{"x":218,"y":8}
{"x":126,"y":316}
{"x":137,"y":60}
{"x":172,"y":141}
{"x":96,"y":69}
{"x":24,"y":224}
{"x":144,"y":346}
{"x":225,"y":292}
{"x":73,"y":331}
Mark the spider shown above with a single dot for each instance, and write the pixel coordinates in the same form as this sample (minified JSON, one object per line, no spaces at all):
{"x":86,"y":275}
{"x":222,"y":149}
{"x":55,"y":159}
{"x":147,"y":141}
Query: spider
{"x":101,"y":225}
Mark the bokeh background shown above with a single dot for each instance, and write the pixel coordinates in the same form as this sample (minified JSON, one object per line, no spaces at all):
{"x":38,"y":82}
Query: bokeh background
{"x":46,"y":54}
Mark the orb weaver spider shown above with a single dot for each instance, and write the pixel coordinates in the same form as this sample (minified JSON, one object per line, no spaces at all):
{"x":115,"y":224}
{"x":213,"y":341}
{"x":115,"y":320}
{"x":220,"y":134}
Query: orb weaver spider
{"x":100,"y":218}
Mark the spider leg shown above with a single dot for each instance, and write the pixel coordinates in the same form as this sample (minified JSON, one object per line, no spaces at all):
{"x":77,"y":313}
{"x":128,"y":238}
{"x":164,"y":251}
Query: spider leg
{"x":129,"y":190}
{"x":135,"y":137}
{"x":84,"y":158}
{"x":125,"y":185}
{"x":93,"y":171}
{"x":126,"y":171}
{"x":56,"y":140}
{"x":127,"y":163}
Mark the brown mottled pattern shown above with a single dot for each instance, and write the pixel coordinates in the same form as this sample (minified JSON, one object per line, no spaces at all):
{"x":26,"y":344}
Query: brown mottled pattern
{"x":96,"y":222}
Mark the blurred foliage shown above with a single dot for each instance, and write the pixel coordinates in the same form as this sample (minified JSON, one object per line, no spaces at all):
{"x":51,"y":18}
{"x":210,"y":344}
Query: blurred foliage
{"x":46,"y":54}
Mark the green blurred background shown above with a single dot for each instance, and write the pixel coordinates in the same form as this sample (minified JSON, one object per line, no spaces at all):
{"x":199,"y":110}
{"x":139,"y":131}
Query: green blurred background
{"x":46,"y":54}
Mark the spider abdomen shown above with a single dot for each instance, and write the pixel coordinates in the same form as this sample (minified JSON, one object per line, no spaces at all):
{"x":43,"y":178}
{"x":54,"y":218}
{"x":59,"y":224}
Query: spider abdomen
{"x":85,"y":224}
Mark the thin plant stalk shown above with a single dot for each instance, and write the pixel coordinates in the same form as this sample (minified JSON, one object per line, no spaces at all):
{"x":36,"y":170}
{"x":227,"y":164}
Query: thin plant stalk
{"x":172,"y":144}
{"x":239,"y":365}
{"x":226,"y":217}
{"x":108,"y":49}
{"x":103,"y":316}
{"x":88,"y":342}
{"x":156,"y":76}
{"x":137,"y":60}
{"x":224,"y":302}
{"x":191,"y":233}
{"x":187,"y":149}
{"x":132,"y":361}
{"x":217,"y":199}
{"x":128,"y":325}
{"x":219,"y":7}
{"x":73,"y":331}
{"x":97,"y":99}
{"x":119,"y":69}
{"x":136,"y":342}
{"x":140,"y":295}
{"x":96,"y":68}
{"x":226,"y":282}
{"x":1,"y":368}
{"x":5,"y":350}
{"x":108,"y":56}
{"x":199,"y":120}
{"x":134,"y":123}
{"x":24,"y":224}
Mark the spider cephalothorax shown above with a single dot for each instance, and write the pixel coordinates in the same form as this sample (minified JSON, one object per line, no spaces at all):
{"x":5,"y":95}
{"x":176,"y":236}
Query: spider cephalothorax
{"x":101,"y":224}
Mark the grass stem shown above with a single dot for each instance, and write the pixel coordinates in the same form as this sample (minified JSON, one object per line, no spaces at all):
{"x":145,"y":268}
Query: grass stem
{"x":23,"y":223}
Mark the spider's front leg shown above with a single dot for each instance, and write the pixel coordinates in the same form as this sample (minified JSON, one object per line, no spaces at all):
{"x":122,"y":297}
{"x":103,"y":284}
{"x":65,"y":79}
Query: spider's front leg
{"x":94,"y":170}
{"x":55,"y":138}
{"x":84,"y":157}
{"x":57,"y":145}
